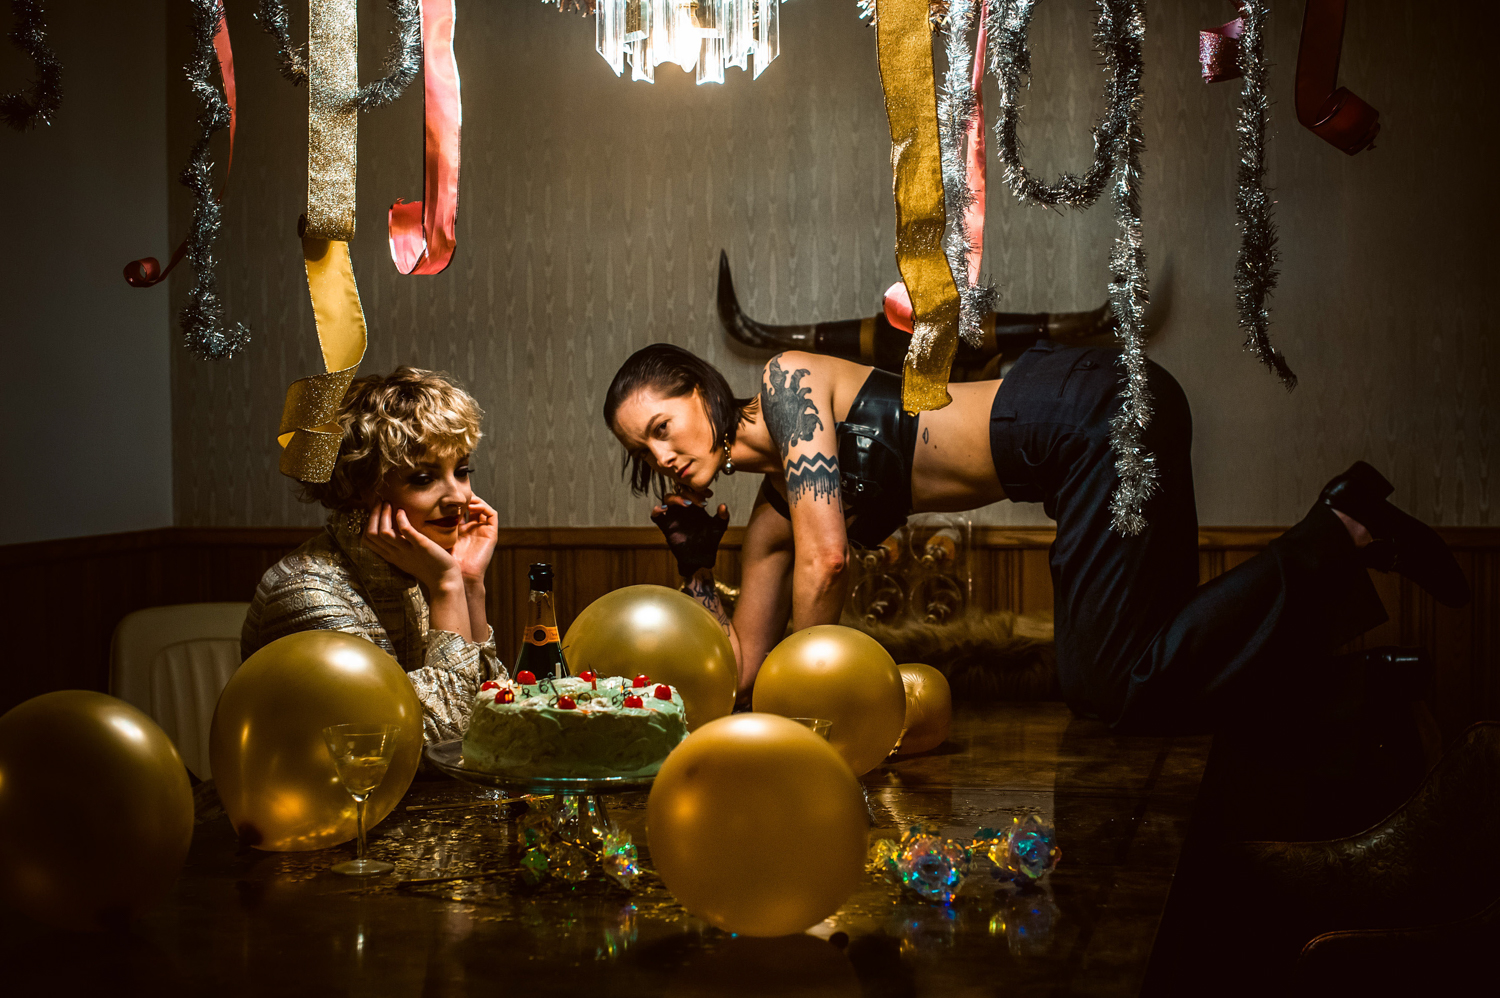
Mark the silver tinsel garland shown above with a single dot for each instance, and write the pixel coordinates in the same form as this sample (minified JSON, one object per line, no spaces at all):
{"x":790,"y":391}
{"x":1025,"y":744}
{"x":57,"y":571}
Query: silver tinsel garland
{"x":957,"y":106}
{"x":1117,"y":147}
{"x":402,"y":62}
{"x":203,"y":327}
{"x":38,"y":103}
{"x":1255,"y":269}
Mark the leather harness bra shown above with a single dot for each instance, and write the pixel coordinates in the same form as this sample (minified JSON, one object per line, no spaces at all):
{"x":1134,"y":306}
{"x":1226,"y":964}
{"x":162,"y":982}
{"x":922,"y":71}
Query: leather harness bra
{"x":877,"y":443}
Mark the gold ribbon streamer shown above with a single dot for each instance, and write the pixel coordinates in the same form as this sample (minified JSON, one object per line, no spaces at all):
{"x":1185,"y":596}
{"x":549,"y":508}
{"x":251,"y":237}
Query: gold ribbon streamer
{"x":904,"y":37}
{"x":309,"y":431}
{"x":332,"y":119}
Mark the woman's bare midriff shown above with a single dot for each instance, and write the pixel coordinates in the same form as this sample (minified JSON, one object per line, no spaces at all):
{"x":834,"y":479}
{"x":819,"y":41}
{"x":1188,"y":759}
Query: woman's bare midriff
{"x":953,"y":469}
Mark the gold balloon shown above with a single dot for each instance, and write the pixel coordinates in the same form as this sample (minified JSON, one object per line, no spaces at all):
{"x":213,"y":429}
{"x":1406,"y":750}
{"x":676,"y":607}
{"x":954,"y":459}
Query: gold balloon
{"x":663,"y":634}
{"x":274,"y":774}
{"x":757,"y":825}
{"x":929,"y":709}
{"x":841,"y":674}
{"x":96,"y":814}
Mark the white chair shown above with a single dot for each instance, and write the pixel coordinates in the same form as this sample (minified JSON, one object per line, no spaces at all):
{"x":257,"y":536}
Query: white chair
{"x":173,"y":662}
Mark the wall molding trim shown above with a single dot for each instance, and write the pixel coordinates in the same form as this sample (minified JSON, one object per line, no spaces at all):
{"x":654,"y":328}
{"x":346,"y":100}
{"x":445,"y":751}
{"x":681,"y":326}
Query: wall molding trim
{"x":63,"y":598}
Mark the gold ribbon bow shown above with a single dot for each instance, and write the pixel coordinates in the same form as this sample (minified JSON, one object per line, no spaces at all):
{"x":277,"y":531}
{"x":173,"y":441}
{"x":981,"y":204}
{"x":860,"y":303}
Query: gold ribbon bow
{"x":904,"y":36}
{"x":309,"y":433}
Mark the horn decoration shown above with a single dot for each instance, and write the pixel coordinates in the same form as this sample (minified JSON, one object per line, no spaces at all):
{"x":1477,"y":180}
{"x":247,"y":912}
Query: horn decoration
{"x":877,"y":341}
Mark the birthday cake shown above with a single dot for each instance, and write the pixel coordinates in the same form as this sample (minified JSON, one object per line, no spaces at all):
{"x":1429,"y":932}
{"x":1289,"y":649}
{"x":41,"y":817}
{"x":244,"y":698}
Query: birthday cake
{"x":581,"y":726}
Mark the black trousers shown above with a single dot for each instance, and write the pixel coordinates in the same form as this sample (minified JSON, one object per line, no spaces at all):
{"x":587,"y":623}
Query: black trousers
{"x":1139,"y":643}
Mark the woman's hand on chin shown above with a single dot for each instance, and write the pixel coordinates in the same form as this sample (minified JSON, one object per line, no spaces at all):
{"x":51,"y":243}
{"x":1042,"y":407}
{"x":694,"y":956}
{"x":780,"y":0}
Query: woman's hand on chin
{"x":476,"y":540}
{"x":391,"y":535}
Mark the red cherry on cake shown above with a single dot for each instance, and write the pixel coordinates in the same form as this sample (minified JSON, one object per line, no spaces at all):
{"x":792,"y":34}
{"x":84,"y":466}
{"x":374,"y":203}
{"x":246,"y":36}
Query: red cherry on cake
{"x":663,"y":692}
{"x":490,"y":685}
{"x":587,"y":675}
{"x":639,"y":682}
{"x":565,"y":702}
{"x":505,"y":696}
{"x":526,"y":677}
{"x":631,"y":701}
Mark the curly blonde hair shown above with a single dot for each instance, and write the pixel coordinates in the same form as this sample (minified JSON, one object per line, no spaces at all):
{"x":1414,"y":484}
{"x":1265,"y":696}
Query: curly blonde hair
{"x":395,"y":421}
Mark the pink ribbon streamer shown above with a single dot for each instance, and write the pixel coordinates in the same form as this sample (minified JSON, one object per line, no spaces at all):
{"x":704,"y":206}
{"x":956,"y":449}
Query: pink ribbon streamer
{"x":423,"y":233}
{"x":898,"y":311}
{"x":1219,"y":51}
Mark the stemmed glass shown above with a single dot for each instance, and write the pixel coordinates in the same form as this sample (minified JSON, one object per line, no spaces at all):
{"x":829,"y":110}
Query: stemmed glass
{"x":361,"y":753}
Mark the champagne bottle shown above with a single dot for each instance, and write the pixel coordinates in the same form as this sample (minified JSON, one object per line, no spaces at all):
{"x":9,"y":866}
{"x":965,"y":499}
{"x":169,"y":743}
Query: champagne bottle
{"x":541,"y":649}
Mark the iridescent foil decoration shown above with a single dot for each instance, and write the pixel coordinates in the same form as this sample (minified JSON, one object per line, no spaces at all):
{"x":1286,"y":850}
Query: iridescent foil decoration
{"x":1117,"y":147}
{"x":620,"y":859}
{"x":933,"y":867}
{"x":1026,"y":852}
{"x":567,"y":843}
{"x":709,"y":36}
{"x":38,"y":103}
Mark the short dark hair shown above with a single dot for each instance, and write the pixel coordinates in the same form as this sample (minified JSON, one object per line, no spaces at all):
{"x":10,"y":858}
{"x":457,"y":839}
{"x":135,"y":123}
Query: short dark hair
{"x":674,"y":372}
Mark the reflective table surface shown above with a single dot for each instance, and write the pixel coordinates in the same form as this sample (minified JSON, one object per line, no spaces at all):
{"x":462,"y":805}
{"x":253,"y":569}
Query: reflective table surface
{"x":243,"y":922}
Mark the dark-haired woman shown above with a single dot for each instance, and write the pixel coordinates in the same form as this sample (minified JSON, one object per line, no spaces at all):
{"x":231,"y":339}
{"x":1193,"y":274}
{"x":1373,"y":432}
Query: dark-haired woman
{"x":1139,"y":643}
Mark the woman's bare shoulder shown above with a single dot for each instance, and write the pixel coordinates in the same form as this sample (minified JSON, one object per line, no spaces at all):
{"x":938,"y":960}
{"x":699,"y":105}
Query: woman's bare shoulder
{"x":800,"y":369}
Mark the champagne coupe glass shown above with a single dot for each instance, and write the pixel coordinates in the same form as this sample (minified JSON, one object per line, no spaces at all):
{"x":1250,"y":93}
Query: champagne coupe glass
{"x":361,"y":753}
{"x":820,"y":726}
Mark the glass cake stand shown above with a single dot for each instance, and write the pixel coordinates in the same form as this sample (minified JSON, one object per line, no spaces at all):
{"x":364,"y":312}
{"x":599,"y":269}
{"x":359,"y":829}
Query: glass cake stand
{"x":578,"y":799}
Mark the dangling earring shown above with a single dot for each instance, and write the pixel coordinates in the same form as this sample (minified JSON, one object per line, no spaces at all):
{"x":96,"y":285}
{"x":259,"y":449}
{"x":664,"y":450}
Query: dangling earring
{"x":728,"y":468}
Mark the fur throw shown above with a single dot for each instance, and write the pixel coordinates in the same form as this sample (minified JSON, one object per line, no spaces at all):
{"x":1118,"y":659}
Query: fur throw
{"x":987,"y":657}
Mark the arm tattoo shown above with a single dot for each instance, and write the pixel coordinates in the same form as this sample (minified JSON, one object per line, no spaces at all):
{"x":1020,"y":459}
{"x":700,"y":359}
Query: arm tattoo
{"x":818,"y":474}
{"x":790,"y":415}
{"x":701,"y":588}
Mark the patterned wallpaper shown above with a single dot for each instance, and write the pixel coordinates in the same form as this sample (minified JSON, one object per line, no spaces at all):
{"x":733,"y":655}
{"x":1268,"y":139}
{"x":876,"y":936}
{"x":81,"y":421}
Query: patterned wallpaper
{"x":592,"y":211}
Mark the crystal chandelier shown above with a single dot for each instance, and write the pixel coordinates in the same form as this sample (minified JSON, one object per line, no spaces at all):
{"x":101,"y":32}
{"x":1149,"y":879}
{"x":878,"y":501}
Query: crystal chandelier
{"x":706,"y":35}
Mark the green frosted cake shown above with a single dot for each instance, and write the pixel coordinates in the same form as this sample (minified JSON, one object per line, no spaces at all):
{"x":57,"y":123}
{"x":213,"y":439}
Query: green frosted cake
{"x":574,"y":727}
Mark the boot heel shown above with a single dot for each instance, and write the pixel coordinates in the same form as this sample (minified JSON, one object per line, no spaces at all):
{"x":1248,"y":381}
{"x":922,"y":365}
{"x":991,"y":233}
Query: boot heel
{"x":1369,"y":481}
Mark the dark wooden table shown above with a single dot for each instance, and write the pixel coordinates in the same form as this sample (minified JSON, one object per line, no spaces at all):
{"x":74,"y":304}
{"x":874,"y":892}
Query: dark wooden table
{"x":242,"y":922}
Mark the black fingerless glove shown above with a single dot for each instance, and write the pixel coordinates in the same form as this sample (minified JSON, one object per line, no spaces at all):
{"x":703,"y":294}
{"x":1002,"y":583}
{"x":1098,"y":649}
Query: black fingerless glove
{"x":693,"y":535}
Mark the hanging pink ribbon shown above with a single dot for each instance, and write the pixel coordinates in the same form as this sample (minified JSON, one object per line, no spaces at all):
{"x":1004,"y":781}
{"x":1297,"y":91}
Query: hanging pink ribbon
{"x":148,"y":271}
{"x":974,"y":214}
{"x":898,"y":311}
{"x":1219,"y":51}
{"x":423,"y":232}
{"x":1333,"y":113}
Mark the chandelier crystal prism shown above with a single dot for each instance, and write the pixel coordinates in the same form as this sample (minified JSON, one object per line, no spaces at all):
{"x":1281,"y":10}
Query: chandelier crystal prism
{"x":708,"y":36}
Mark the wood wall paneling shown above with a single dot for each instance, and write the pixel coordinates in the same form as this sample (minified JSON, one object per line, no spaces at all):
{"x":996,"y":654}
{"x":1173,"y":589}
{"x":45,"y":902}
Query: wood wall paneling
{"x":62,"y":599}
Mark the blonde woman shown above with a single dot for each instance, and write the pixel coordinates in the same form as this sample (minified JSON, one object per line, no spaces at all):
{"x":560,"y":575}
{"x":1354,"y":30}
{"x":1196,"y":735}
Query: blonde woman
{"x":402,"y":559}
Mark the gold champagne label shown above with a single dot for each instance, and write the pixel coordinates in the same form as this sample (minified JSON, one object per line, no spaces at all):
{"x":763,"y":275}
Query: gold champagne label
{"x":540,"y":635}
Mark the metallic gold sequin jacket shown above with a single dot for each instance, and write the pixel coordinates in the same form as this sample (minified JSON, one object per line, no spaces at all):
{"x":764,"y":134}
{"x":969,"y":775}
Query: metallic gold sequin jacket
{"x":332,"y":583}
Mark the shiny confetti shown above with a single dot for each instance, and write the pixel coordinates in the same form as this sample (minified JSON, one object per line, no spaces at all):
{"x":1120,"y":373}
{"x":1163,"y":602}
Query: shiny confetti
{"x":620,"y":858}
{"x":1027,"y":852}
{"x":567,"y":861}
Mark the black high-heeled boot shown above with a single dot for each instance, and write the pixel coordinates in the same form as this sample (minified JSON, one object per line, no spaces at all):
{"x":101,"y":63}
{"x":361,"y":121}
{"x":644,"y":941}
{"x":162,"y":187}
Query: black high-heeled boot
{"x":1402,"y":542}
